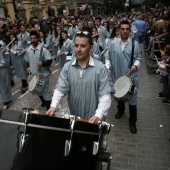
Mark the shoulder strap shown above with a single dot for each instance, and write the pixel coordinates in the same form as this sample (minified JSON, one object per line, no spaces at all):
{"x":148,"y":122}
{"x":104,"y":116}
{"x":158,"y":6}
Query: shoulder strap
{"x":133,"y":47}
{"x":41,"y":54}
{"x":41,"y":58}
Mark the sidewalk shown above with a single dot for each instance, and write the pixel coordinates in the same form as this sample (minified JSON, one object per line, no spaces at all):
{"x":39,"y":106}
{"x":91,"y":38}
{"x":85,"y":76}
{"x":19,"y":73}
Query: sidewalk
{"x":149,"y":149}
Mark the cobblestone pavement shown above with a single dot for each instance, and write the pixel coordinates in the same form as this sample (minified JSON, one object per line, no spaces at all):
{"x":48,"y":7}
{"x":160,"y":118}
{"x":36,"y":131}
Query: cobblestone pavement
{"x":149,"y":149}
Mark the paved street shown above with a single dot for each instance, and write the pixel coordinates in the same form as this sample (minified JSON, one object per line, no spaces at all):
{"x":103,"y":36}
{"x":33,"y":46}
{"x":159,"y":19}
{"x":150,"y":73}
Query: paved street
{"x":149,"y":149}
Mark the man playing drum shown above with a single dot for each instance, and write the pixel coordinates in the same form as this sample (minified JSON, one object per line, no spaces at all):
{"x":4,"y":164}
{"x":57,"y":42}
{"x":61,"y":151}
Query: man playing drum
{"x":38,"y":67}
{"x":85,"y":80}
{"x":119,"y":61}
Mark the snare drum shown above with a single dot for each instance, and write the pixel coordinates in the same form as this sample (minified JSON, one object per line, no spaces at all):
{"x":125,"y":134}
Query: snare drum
{"x":124,"y":88}
{"x":36,"y":84}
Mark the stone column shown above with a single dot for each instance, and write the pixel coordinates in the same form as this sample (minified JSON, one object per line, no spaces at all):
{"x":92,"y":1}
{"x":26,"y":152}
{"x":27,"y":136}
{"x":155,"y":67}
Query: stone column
{"x":43,"y":6}
{"x":54,"y":6}
{"x":66,"y":8}
{"x":10,"y":8}
{"x":75,"y":7}
{"x":27,"y":5}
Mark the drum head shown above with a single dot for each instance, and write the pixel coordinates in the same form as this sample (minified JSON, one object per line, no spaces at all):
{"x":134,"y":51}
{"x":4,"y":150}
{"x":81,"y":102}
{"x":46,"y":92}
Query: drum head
{"x":32,"y":83}
{"x":122,"y":86}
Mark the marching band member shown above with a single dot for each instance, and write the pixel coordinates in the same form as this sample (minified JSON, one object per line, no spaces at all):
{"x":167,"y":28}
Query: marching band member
{"x":120,"y":61}
{"x":85,"y":80}
{"x":7,"y":59}
{"x":96,"y":38}
{"x":32,"y":56}
{"x":56,"y":39}
{"x":65,"y":47}
{"x":5,"y":88}
{"x":45,"y":40}
{"x":19,"y":64}
{"x":114,"y":34}
{"x":102,"y":31}
{"x":72,"y":30}
{"x":24,"y":36}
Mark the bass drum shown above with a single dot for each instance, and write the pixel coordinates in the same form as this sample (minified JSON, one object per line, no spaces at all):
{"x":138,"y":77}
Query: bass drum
{"x":43,"y":146}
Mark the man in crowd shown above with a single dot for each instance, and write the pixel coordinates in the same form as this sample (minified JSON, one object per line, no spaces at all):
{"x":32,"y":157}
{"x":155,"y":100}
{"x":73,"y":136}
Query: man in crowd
{"x":85,"y":80}
{"x":39,"y":60}
{"x":119,"y":61}
{"x":24,"y":36}
{"x":102,"y":31}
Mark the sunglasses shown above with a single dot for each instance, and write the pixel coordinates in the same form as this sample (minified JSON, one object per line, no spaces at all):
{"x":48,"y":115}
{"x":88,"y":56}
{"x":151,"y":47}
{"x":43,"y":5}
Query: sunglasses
{"x":82,"y":32}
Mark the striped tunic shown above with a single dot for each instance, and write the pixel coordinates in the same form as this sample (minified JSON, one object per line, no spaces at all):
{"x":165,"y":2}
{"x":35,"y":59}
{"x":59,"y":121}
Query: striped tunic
{"x":66,"y":47}
{"x":83,"y":86}
{"x":32,"y":56}
{"x":19,"y":64}
{"x":121,"y":60}
{"x":5,"y":87}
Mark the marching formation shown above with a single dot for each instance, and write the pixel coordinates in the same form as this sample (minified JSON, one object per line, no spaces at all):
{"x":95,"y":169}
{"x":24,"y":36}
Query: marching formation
{"x":99,"y":58}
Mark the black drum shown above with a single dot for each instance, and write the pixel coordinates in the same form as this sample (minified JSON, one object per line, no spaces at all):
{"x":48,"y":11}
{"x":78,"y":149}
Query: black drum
{"x":38,"y":142}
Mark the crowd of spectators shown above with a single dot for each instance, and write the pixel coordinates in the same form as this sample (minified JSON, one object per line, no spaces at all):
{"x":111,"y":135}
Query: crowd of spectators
{"x":157,"y":21}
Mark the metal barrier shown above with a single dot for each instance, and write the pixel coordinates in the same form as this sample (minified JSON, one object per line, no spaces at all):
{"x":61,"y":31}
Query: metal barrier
{"x":156,"y":41}
{"x":151,"y":60}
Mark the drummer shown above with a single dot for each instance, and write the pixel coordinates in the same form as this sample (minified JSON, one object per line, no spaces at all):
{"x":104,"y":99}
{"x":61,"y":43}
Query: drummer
{"x":118,"y":61}
{"x":85,"y":80}
{"x":32,"y":56}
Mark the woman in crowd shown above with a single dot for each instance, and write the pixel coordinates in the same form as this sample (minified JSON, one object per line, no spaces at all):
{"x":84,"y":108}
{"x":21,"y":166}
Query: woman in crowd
{"x":45,"y":40}
{"x":96,"y":38}
{"x":107,"y":26}
{"x":55,"y":40}
{"x":114,"y":34}
{"x":65,"y":48}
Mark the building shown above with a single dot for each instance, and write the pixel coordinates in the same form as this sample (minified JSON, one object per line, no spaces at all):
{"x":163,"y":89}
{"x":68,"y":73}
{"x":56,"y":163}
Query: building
{"x":90,"y":7}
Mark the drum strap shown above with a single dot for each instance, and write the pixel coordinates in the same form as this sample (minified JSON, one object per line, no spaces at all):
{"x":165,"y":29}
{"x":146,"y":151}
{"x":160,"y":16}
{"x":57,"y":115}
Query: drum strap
{"x":133,"y":47}
{"x":41,"y":57}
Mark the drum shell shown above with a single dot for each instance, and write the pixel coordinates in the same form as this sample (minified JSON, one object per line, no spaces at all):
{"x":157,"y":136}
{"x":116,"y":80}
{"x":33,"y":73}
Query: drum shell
{"x":45,"y":148}
{"x":37,"y":85}
{"x":129,"y":92}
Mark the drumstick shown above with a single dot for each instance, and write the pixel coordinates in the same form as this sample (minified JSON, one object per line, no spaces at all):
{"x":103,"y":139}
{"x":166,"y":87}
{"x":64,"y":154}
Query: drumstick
{"x":105,"y":50}
{"x":23,"y":52}
{"x":7,"y":45}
